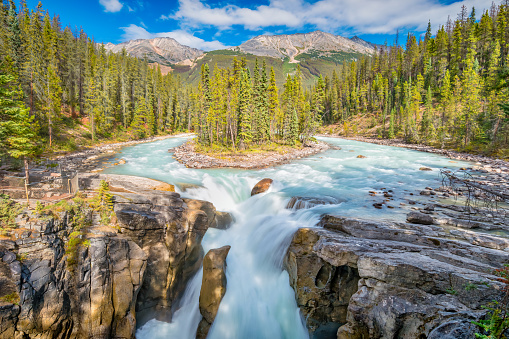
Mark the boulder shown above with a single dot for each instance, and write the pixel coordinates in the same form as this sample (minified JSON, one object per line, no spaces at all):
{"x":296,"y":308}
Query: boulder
{"x":419,"y":218}
{"x":371,"y":279}
{"x":213,"y":287}
{"x":223,"y":220}
{"x":361,"y":157}
{"x":425,"y":169}
{"x":262,"y":186}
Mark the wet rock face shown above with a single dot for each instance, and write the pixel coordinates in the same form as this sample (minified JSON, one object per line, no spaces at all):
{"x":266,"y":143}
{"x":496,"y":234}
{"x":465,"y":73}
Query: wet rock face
{"x":322,"y":290}
{"x":298,"y":203}
{"x":390,"y":280}
{"x":213,"y":287}
{"x":169,"y":230}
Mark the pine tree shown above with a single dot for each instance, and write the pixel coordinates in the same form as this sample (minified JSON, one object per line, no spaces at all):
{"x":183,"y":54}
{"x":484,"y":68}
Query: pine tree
{"x":244,"y":111}
{"x":18,"y":132}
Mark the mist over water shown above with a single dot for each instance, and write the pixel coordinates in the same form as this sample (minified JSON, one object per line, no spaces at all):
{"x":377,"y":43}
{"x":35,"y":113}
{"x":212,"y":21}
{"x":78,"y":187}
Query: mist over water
{"x":259,"y":302}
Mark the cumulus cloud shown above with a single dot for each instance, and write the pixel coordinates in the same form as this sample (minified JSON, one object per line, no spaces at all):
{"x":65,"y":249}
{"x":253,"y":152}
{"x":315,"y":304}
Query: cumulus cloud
{"x":361,"y":16}
{"x":111,"y":5}
{"x":133,"y":32}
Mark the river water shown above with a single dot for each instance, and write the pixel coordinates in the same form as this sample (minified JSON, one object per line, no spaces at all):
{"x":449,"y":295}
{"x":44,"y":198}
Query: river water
{"x":259,"y":302}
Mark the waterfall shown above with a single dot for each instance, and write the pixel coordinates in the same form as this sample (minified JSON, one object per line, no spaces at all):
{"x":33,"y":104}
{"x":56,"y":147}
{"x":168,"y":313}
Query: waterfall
{"x":259,"y":302}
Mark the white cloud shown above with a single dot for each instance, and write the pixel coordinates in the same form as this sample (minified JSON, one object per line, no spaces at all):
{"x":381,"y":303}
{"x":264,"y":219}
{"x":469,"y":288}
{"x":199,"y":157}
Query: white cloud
{"x":111,"y":5}
{"x":133,"y":32}
{"x":362,"y":16}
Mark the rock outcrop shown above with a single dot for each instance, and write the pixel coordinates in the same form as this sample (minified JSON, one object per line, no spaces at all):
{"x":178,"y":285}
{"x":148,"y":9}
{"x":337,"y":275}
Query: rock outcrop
{"x":262,"y":186}
{"x":390,"y":280}
{"x":120,"y":275}
{"x":93,"y":297}
{"x":213,"y":287}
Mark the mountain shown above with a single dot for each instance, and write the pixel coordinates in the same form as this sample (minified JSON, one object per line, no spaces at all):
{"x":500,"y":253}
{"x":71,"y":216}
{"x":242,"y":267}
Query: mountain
{"x":364,"y":43}
{"x":314,"y":44}
{"x":165,"y":51}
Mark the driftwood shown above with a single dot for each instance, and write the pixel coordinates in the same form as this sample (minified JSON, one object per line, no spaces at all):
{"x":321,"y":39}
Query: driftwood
{"x":480,"y":198}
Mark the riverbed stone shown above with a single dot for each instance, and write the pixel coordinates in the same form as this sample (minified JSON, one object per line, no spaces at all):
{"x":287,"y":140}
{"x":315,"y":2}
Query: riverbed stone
{"x":419,"y":218}
{"x":262,"y":186}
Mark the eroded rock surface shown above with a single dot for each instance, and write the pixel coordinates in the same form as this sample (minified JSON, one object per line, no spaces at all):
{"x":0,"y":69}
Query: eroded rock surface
{"x":135,"y":269}
{"x":373,"y":279}
{"x":93,"y":296}
{"x":213,"y":287}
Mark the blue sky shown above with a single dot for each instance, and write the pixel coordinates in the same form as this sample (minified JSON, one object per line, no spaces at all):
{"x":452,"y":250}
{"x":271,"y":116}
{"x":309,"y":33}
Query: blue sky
{"x":218,"y":24}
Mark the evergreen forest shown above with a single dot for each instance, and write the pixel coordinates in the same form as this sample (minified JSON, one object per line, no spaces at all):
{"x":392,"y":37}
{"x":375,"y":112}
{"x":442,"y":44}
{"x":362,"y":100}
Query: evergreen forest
{"x":448,"y":89}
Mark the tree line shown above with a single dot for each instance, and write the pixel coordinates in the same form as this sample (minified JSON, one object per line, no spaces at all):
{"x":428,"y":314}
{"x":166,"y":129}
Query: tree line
{"x":64,"y":78}
{"x":237,"y":109}
{"x":450,"y":89}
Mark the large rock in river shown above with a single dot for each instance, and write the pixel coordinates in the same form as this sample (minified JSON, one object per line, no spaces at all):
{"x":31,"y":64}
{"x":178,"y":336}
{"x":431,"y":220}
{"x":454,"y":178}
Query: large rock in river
{"x":262,"y":186}
{"x":370,"y":279}
{"x":213,"y":287}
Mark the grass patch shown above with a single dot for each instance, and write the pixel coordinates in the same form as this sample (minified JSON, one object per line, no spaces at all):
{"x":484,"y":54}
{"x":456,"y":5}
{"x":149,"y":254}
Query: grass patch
{"x":12,"y":298}
{"x":9,"y":210}
{"x":222,"y":152}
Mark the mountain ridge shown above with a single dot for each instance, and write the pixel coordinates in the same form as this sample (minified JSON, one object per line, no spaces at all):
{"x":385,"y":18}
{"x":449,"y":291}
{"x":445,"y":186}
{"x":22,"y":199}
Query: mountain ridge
{"x":292,"y":45}
{"x":163,"y":50}
{"x":168,"y":51}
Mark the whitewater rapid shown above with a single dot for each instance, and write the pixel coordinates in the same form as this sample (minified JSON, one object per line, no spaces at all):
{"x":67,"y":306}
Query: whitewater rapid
{"x":259,"y":302}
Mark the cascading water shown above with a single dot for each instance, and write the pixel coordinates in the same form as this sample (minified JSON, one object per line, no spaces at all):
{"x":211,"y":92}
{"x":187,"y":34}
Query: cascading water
{"x":259,"y":302}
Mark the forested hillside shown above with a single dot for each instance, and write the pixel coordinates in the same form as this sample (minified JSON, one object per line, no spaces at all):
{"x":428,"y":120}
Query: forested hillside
{"x":76,"y":91}
{"x":450,"y":89}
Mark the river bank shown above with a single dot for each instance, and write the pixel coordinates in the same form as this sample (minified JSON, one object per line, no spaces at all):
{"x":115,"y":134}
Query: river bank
{"x":88,"y":160}
{"x":186,"y":155}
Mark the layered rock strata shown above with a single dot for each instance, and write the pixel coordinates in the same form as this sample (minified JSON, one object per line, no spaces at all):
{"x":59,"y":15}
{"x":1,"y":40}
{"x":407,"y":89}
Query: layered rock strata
{"x":370,"y":279}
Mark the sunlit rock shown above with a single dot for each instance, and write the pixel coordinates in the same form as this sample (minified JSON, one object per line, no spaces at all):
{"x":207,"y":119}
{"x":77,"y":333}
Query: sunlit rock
{"x":262,"y":186}
{"x":213,"y":287}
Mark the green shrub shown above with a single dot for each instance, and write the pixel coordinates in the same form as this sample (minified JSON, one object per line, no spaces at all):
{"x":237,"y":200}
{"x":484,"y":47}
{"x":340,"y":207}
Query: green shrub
{"x":9,"y":210}
{"x":496,"y":322}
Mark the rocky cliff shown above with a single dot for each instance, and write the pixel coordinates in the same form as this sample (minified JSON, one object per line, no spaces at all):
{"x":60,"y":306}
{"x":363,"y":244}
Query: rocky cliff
{"x":132,"y":271}
{"x":371,"y":279}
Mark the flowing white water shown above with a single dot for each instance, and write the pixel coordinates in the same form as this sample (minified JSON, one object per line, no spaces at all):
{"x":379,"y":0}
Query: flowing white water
{"x":259,"y":302}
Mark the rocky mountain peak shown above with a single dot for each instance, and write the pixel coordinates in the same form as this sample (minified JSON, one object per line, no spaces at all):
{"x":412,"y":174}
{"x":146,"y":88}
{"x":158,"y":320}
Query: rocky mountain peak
{"x":163,"y":50}
{"x":291,"y":45}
